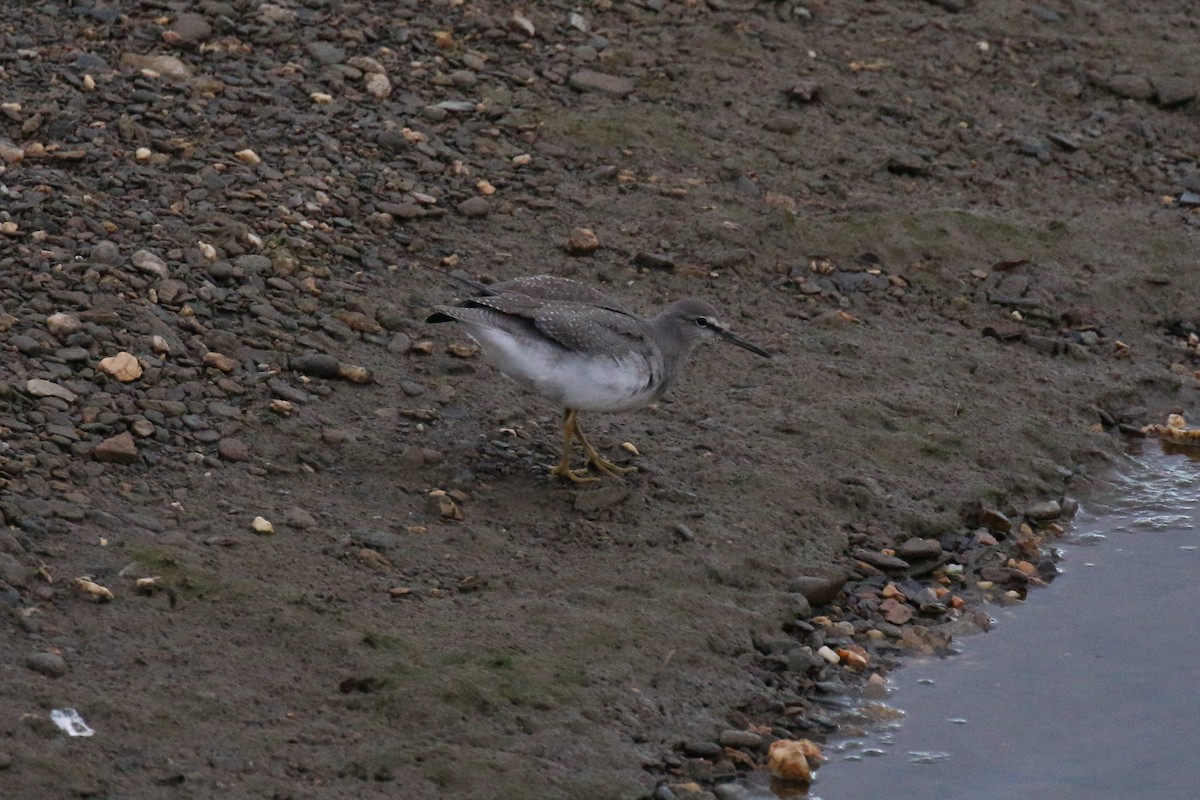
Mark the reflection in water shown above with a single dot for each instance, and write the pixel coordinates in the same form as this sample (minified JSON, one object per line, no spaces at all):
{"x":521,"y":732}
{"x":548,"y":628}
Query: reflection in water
{"x":1086,"y":692}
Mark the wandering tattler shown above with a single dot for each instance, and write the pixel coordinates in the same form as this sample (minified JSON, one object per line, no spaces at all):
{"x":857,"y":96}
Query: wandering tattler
{"x":570,"y":344}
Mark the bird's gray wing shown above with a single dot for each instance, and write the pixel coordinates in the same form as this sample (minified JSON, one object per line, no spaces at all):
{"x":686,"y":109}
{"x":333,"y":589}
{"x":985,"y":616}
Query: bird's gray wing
{"x":553,"y":288}
{"x":589,"y":329}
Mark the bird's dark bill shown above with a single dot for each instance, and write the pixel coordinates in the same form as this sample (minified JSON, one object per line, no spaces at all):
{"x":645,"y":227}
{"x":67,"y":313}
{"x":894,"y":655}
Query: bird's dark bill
{"x":740,"y":342}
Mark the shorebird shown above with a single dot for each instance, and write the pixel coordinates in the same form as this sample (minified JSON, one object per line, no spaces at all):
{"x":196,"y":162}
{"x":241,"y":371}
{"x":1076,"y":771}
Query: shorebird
{"x":571,"y":344}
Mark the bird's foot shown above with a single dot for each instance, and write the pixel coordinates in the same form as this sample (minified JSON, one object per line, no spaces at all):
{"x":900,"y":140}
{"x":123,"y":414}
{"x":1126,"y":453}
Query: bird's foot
{"x":604,"y":465}
{"x":563,"y":470}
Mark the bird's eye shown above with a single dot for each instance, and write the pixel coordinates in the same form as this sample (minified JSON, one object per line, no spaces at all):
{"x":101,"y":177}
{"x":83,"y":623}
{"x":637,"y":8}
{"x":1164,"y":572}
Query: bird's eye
{"x":702,"y":322}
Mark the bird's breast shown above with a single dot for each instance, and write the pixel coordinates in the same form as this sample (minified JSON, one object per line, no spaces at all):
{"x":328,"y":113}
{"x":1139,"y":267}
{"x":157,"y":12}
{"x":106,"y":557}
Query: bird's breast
{"x":585,"y":382}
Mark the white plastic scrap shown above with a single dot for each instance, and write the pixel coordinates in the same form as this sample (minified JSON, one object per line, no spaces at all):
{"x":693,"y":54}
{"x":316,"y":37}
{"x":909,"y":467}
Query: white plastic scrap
{"x":69,"y":720}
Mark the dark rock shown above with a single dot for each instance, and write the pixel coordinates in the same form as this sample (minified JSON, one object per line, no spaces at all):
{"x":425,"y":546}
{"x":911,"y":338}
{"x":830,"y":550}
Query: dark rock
{"x":586,"y":80}
{"x":709,"y":750}
{"x":919,"y":549}
{"x":233,"y":450}
{"x":474,"y":207}
{"x":908,"y":164}
{"x":49,"y":664}
{"x":320,"y":365}
{"x":746,"y":740}
{"x":820,"y":590}
{"x":119,"y":449}
{"x":880,"y":560}
{"x":1046,"y":510}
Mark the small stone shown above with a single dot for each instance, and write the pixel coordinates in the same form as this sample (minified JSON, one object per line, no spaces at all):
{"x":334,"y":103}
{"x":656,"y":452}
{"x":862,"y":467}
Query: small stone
{"x":746,"y":740}
{"x":819,"y":589}
{"x":793,"y":759}
{"x":896,"y":611}
{"x":189,"y":30}
{"x":233,"y":450}
{"x":880,"y":560}
{"x":519,"y":23}
{"x":296,"y":517}
{"x":39,"y":387}
{"x":784,"y":123}
{"x":829,"y":654}
{"x":11,"y":571}
{"x":1136,"y":87}
{"x":709,"y":750}
{"x":170,"y":291}
{"x":373,"y":559}
{"x":442,"y":505}
{"x":582,"y":242}
{"x":142,"y":428}
{"x":1002,"y":575}
{"x":123,"y":366}
{"x":355,"y":373}
{"x":119,"y":449}
{"x":1046,"y":510}
{"x":377,"y":85}
{"x":105,"y":253}
{"x":166,"y":66}
{"x":10,"y":153}
{"x":586,"y":80}
{"x":993,"y":520}
{"x":248,"y":157}
{"x":149,"y":263}
{"x":262,"y":526}
{"x":218,"y":361}
{"x":919,"y":549}
{"x":1171,"y":90}
{"x":908,"y":164}
{"x":474,"y":207}
{"x":804,"y":91}
{"x":320,"y":365}
{"x":62,"y":325}
{"x":49,"y":664}
{"x":326,"y":52}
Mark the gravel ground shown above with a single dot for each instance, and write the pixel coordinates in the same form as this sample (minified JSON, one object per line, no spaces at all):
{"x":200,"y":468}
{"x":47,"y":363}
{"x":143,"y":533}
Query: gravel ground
{"x":969,"y":234}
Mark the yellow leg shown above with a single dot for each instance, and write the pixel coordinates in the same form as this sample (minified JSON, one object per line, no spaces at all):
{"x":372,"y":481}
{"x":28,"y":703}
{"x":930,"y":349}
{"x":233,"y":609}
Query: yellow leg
{"x":594,"y":458}
{"x":563,"y":469}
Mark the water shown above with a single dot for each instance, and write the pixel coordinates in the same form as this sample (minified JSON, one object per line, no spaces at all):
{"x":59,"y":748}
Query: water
{"x":1090,"y":690}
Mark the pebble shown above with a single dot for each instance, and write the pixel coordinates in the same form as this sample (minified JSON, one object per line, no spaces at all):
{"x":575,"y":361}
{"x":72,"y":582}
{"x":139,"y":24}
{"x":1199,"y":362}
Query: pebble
{"x":474,"y":207}
{"x":297,"y":517}
{"x":39,"y":387}
{"x":105,"y":253}
{"x":326,"y":53}
{"x":233,"y":450}
{"x":746,"y":740}
{"x":377,"y":540}
{"x":820,"y":590}
{"x":1045,"y":510}
{"x":919,"y":549}
{"x":582,"y":242}
{"x":710,"y":750}
{"x":62,"y":325}
{"x":166,"y":66}
{"x":123,"y":366}
{"x":11,"y":571}
{"x":49,"y":664}
{"x":880,"y":560}
{"x":993,"y":520}
{"x":190,"y":29}
{"x":586,"y":80}
{"x":119,"y":449}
